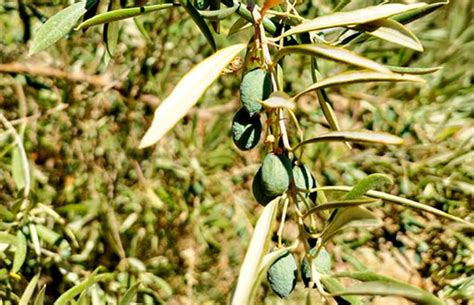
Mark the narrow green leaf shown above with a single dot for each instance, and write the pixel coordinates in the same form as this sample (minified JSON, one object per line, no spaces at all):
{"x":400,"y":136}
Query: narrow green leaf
{"x":248,"y":274}
{"x":47,"y":235}
{"x":368,"y":183}
{"x":418,"y":13}
{"x":332,"y":285}
{"x":333,"y":53}
{"x":17,"y":169}
{"x":187,"y":92}
{"x":219,"y":14}
{"x":121,"y":14}
{"x":57,"y":26}
{"x":20,"y":252}
{"x":111,"y":30}
{"x":28,"y":293}
{"x":71,"y":293}
{"x":365,"y":276}
{"x":402,"y":201}
{"x":358,"y":77}
{"x":339,"y":204}
{"x":130,"y":294}
{"x":412,"y":70}
{"x":239,"y":25}
{"x":350,"y":218}
{"x":39,"y":300}
{"x":202,"y":25}
{"x":354,"y":136}
{"x":279,"y":99}
{"x":409,"y":292}
{"x":393,"y":31}
{"x":355,"y":17}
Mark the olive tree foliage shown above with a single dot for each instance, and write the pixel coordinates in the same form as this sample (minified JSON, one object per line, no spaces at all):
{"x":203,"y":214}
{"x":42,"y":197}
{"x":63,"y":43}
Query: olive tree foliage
{"x":283,"y":184}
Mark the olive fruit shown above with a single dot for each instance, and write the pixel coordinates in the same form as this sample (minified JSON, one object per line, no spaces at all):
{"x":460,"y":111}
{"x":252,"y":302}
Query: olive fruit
{"x":276,"y":172}
{"x":304,"y":180}
{"x":246,"y":130}
{"x":256,"y":85}
{"x":321,"y":263}
{"x":282,"y":275}
{"x":202,"y":4}
{"x":258,"y":191}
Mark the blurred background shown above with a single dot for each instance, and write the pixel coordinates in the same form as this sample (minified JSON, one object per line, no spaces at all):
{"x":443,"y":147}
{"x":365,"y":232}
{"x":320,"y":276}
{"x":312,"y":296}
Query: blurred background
{"x":178,"y":216}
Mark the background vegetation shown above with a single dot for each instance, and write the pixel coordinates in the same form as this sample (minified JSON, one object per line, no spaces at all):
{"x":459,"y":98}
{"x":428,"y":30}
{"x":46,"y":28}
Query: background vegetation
{"x":178,"y":216}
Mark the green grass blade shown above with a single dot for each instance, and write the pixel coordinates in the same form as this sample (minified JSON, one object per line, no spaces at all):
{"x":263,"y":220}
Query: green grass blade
{"x":20,"y":252}
{"x":28,"y":293}
{"x":130,"y":294}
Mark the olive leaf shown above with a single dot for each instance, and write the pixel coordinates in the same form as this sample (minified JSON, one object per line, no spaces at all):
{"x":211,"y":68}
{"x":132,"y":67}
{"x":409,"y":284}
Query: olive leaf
{"x":370,"y":182}
{"x":187,"y":92}
{"x":333,"y":53}
{"x":339,"y":204}
{"x":385,"y":288}
{"x":6,"y":238}
{"x":248,"y":275}
{"x":412,"y":70}
{"x":111,"y":30}
{"x":279,"y":99}
{"x":30,"y":288}
{"x":219,"y":14}
{"x":419,"y":12}
{"x":354,"y":136}
{"x":57,"y":26}
{"x":333,"y":285}
{"x":20,"y":252}
{"x":355,"y":17}
{"x":199,"y":21}
{"x":39,"y":300}
{"x":130,"y":294}
{"x":17,"y":169}
{"x":358,"y":77}
{"x":393,"y":31}
{"x":121,"y":14}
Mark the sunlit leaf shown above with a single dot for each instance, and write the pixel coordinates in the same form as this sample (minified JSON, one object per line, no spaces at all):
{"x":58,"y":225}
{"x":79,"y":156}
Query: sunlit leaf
{"x":28,"y":293}
{"x":279,"y":99}
{"x":354,"y":17}
{"x":419,"y":12}
{"x":199,"y":21}
{"x":333,"y":285}
{"x":248,"y":274}
{"x":333,"y":53}
{"x":6,"y":238}
{"x":368,"y":183}
{"x":339,"y":204}
{"x":20,"y":252}
{"x":39,"y":300}
{"x":393,"y":31}
{"x":354,"y":136}
{"x":359,"y":77}
{"x":382,"y":288}
{"x":71,"y":293}
{"x":187,"y":92}
{"x":352,"y":217}
{"x":57,"y":26}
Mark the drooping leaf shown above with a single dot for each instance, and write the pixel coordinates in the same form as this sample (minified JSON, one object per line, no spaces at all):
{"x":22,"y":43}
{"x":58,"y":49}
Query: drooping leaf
{"x":279,"y":99}
{"x":187,"y":92}
{"x":383,"y":288}
{"x":202,"y":25}
{"x":57,"y":26}
{"x":358,"y":77}
{"x":20,"y":252}
{"x":111,"y":30}
{"x":71,"y":293}
{"x":355,"y":17}
{"x":393,"y":31}
{"x":355,"y":136}
{"x":350,"y":218}
{"x":28,"y":293}
{"x":368,"y":183}
{"x":219,"y":14}
{"x":130,"y":294}
{"x":333,"y":53}
{"x":121,"y":14}
{"x":17,"y":169}
{"x":258,"y":246}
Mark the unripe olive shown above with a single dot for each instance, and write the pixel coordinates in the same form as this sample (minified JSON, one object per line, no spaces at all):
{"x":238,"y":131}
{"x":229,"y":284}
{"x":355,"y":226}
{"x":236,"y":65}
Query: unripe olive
{"x":201,"y":4}
{"x":258,"y":191}
{"x":321,"y":263}
{"x":246,"y":130}
{"x":256,"y":85}
{"x":282,"y":275}
{"x":276,"y":173}
{"x":304,"y":180}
